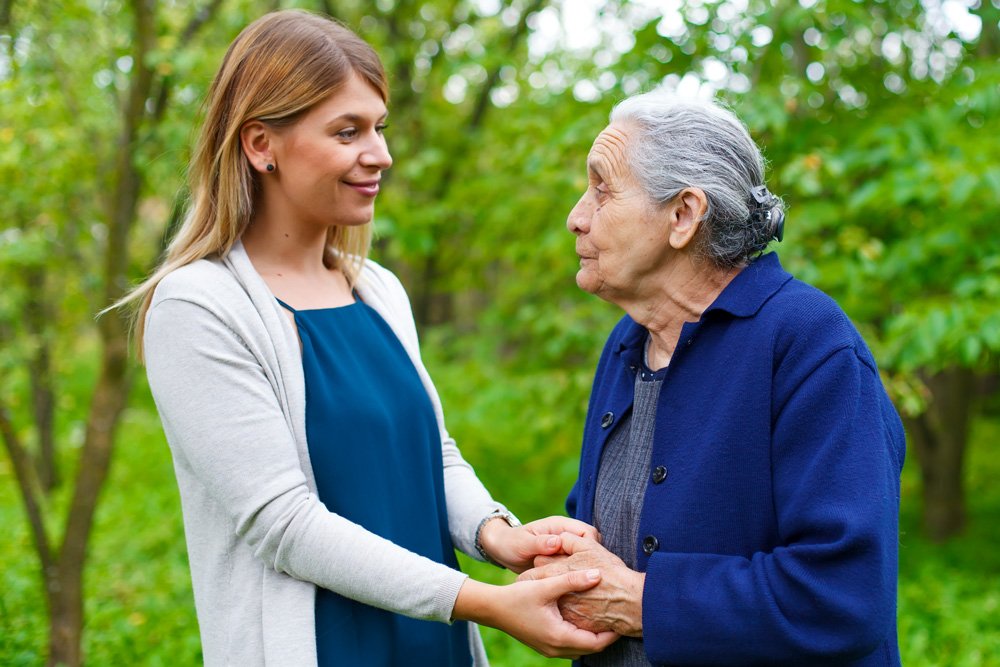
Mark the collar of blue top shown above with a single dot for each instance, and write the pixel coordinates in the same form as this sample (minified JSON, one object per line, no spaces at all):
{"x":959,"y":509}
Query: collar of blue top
{"x":743,"y":297}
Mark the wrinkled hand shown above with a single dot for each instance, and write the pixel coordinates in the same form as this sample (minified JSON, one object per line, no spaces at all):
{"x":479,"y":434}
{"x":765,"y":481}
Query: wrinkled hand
{"x":528,"y":611}
{"x":615,"y":604}
{"x":516,"y":548}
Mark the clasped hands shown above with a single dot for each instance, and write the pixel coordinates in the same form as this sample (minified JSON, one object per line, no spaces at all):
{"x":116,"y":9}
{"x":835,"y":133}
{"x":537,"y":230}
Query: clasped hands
{"x":572,"y":596}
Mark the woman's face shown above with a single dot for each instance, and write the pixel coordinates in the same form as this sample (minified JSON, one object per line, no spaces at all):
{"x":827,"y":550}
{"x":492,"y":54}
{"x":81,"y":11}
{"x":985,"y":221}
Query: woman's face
{"x":621,"y":235}
{"x":329,"y":163}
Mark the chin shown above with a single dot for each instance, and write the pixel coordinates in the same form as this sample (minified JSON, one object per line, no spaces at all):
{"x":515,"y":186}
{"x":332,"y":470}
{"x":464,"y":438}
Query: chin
{"x":356,"y":221}
{"x":586,"y":282}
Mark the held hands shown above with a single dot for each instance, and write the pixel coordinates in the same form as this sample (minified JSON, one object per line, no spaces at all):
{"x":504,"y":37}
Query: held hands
{"x":517,"y":548}
{"x":528,"y":611}
{"x":614,"y":604}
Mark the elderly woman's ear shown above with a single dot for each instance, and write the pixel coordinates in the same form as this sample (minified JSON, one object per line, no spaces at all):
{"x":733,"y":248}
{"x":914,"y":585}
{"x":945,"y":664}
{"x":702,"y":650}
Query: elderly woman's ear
{"x":686,"y":212}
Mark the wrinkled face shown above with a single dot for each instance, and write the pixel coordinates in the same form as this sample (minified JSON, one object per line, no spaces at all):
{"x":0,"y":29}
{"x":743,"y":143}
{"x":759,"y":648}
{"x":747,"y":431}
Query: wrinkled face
{"x":621,"y":235}
{"x":330,"y":162}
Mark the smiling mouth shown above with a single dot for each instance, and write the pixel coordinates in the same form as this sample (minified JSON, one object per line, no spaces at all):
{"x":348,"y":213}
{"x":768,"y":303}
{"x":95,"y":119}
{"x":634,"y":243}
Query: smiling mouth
{"x":367,"y":188}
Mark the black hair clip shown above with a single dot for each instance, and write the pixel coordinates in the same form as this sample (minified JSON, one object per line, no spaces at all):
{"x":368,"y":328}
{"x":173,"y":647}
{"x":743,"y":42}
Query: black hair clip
{"x":763,"y":211}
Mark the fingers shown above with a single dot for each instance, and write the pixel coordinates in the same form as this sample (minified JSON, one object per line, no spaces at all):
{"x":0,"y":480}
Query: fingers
{"x":576,"y":527}
{"x":553,"y":569}
{"x":542,"y":561}
{"x":605,"y":639}
{"x":563,"y":524}
{"x":572,"y":544}
{"x":546,"y":544}
{"x":571,"y":582}
{"x":582,"y":529}
{"x":577,"y":642}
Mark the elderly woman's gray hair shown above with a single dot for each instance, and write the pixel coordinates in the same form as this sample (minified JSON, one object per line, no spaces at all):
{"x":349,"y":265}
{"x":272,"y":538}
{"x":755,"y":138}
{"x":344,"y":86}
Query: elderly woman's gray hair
{"x":684,"y":143}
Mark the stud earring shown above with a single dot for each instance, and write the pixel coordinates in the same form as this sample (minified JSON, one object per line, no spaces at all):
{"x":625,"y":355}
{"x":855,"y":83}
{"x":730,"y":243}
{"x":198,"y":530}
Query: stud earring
{"x":270,"y":167}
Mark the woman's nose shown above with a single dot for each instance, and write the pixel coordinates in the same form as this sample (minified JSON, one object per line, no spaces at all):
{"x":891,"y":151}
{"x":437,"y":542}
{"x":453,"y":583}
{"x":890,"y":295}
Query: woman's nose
{"x":578,"y":221}
{"x":377,"y":154}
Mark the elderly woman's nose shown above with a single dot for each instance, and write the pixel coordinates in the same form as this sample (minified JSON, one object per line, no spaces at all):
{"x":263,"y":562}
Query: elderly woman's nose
{"x":578,"y":221}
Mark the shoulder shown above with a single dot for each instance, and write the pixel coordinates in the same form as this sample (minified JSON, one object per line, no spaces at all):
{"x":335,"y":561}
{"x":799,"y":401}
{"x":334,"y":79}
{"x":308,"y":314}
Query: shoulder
{"x":206,"y":296}
{"x":808,"y":327}
{"x":381,"y":289}
{"x":203,"y":282}
{"x":380,"y":280}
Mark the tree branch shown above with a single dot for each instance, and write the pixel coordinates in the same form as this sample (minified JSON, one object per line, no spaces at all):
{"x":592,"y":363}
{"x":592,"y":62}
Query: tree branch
{"x":165,"y":84}
{"x":111,"y":390}
{"x":28,"y":484}
{"x":482,"y":104}
{"x":5,"y":12}
{"x":423,"y":295}
{"x":37,"y":317}
{"x":328,"y":8}
{"x":198,"y":19}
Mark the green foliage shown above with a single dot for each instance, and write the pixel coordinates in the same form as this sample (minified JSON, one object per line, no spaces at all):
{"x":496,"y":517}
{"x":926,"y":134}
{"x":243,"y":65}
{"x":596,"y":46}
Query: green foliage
{"x":949,"y":596}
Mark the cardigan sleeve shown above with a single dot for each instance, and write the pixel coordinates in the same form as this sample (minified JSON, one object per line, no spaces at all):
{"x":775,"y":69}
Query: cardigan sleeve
{"x":229,"y":436}
{"x":830,"y":589}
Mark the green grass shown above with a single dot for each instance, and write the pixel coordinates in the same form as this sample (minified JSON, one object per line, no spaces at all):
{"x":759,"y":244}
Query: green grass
{"x":140,"y":610}
{"x":949,"y":595}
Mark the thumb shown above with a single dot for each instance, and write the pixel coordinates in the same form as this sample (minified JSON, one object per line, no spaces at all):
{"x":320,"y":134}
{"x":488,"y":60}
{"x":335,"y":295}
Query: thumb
{"x":571,"y":582}
{"x":546,"y":545}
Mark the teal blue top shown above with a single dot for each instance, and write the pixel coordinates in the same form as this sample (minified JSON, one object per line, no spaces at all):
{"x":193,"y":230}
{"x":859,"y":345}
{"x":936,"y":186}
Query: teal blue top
{"x":375,"y":450}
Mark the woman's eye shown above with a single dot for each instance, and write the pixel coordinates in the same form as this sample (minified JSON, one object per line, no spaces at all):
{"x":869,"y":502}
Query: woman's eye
{"x":381,"y":127}
{"x":349,"y":133}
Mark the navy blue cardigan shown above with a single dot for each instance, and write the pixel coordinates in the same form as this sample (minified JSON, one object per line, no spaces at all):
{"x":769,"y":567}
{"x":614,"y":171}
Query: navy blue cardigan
{"x":770,"y":535}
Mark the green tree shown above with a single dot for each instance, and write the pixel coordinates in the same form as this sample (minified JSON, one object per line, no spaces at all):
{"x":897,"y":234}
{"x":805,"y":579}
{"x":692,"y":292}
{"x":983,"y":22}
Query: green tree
{"x":879,"y":120}
{"x":86,"y":92}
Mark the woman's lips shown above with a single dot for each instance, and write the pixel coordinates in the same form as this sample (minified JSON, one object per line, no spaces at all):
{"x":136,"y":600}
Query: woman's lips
{"x":367,"y":188}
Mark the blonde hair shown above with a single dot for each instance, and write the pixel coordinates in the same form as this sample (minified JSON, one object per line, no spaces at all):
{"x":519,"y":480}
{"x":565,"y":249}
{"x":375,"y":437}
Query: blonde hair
{"x":277,"y":69}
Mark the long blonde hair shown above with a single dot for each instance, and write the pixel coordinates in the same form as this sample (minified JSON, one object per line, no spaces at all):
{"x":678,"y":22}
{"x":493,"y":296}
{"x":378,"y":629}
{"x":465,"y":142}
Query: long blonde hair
{"x":278,"y":68}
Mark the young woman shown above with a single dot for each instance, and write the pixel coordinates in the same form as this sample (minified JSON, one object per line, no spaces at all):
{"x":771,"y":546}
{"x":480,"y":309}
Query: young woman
{"x":322,"y":495}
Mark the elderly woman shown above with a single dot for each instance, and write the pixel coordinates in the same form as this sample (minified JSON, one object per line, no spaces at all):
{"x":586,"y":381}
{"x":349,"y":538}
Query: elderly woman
{"x":741,"y":457}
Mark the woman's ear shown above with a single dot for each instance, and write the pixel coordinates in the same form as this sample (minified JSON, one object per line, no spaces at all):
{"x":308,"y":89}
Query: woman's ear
{"x":255,"y":138}
{"x":688,"y":208}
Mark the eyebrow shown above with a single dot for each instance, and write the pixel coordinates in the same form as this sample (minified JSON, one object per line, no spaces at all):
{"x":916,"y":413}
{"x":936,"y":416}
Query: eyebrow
{"x":593,"y":166}
{"x":353,"y":118}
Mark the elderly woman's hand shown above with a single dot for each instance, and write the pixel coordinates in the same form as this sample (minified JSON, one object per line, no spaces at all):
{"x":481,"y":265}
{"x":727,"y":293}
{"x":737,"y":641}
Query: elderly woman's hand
{"x":517,"y":547}
{"x":615,"y":604}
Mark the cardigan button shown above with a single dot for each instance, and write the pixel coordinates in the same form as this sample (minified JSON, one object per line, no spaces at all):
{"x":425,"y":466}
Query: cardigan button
{"x":650,"y":544}
{"x":608,"y":419}
{"x":659,"y":474}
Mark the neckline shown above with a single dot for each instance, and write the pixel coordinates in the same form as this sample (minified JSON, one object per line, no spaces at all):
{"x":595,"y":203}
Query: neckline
{"x":295,"y":311}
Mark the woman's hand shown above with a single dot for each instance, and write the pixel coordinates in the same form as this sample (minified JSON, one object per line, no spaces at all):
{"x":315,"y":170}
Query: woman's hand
{"x":516,"y":548}
{"x":615,"y":604}
{"x":528,"y":612}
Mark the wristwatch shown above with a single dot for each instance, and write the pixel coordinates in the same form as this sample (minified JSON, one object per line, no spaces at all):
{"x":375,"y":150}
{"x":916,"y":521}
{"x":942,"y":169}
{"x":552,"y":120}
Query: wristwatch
{"x":498,"y":513}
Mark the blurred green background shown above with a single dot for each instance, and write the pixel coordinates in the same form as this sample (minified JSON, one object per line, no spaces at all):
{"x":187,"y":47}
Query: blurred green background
{"x":880,"y":123}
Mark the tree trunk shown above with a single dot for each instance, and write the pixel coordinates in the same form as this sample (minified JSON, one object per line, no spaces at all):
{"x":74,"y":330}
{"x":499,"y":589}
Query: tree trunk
{"x":38,"y":319}
{"x":5,"y":11}
{"x":65,"y":599}
{"x":938,"y":439}
{"x":63,"y":568}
